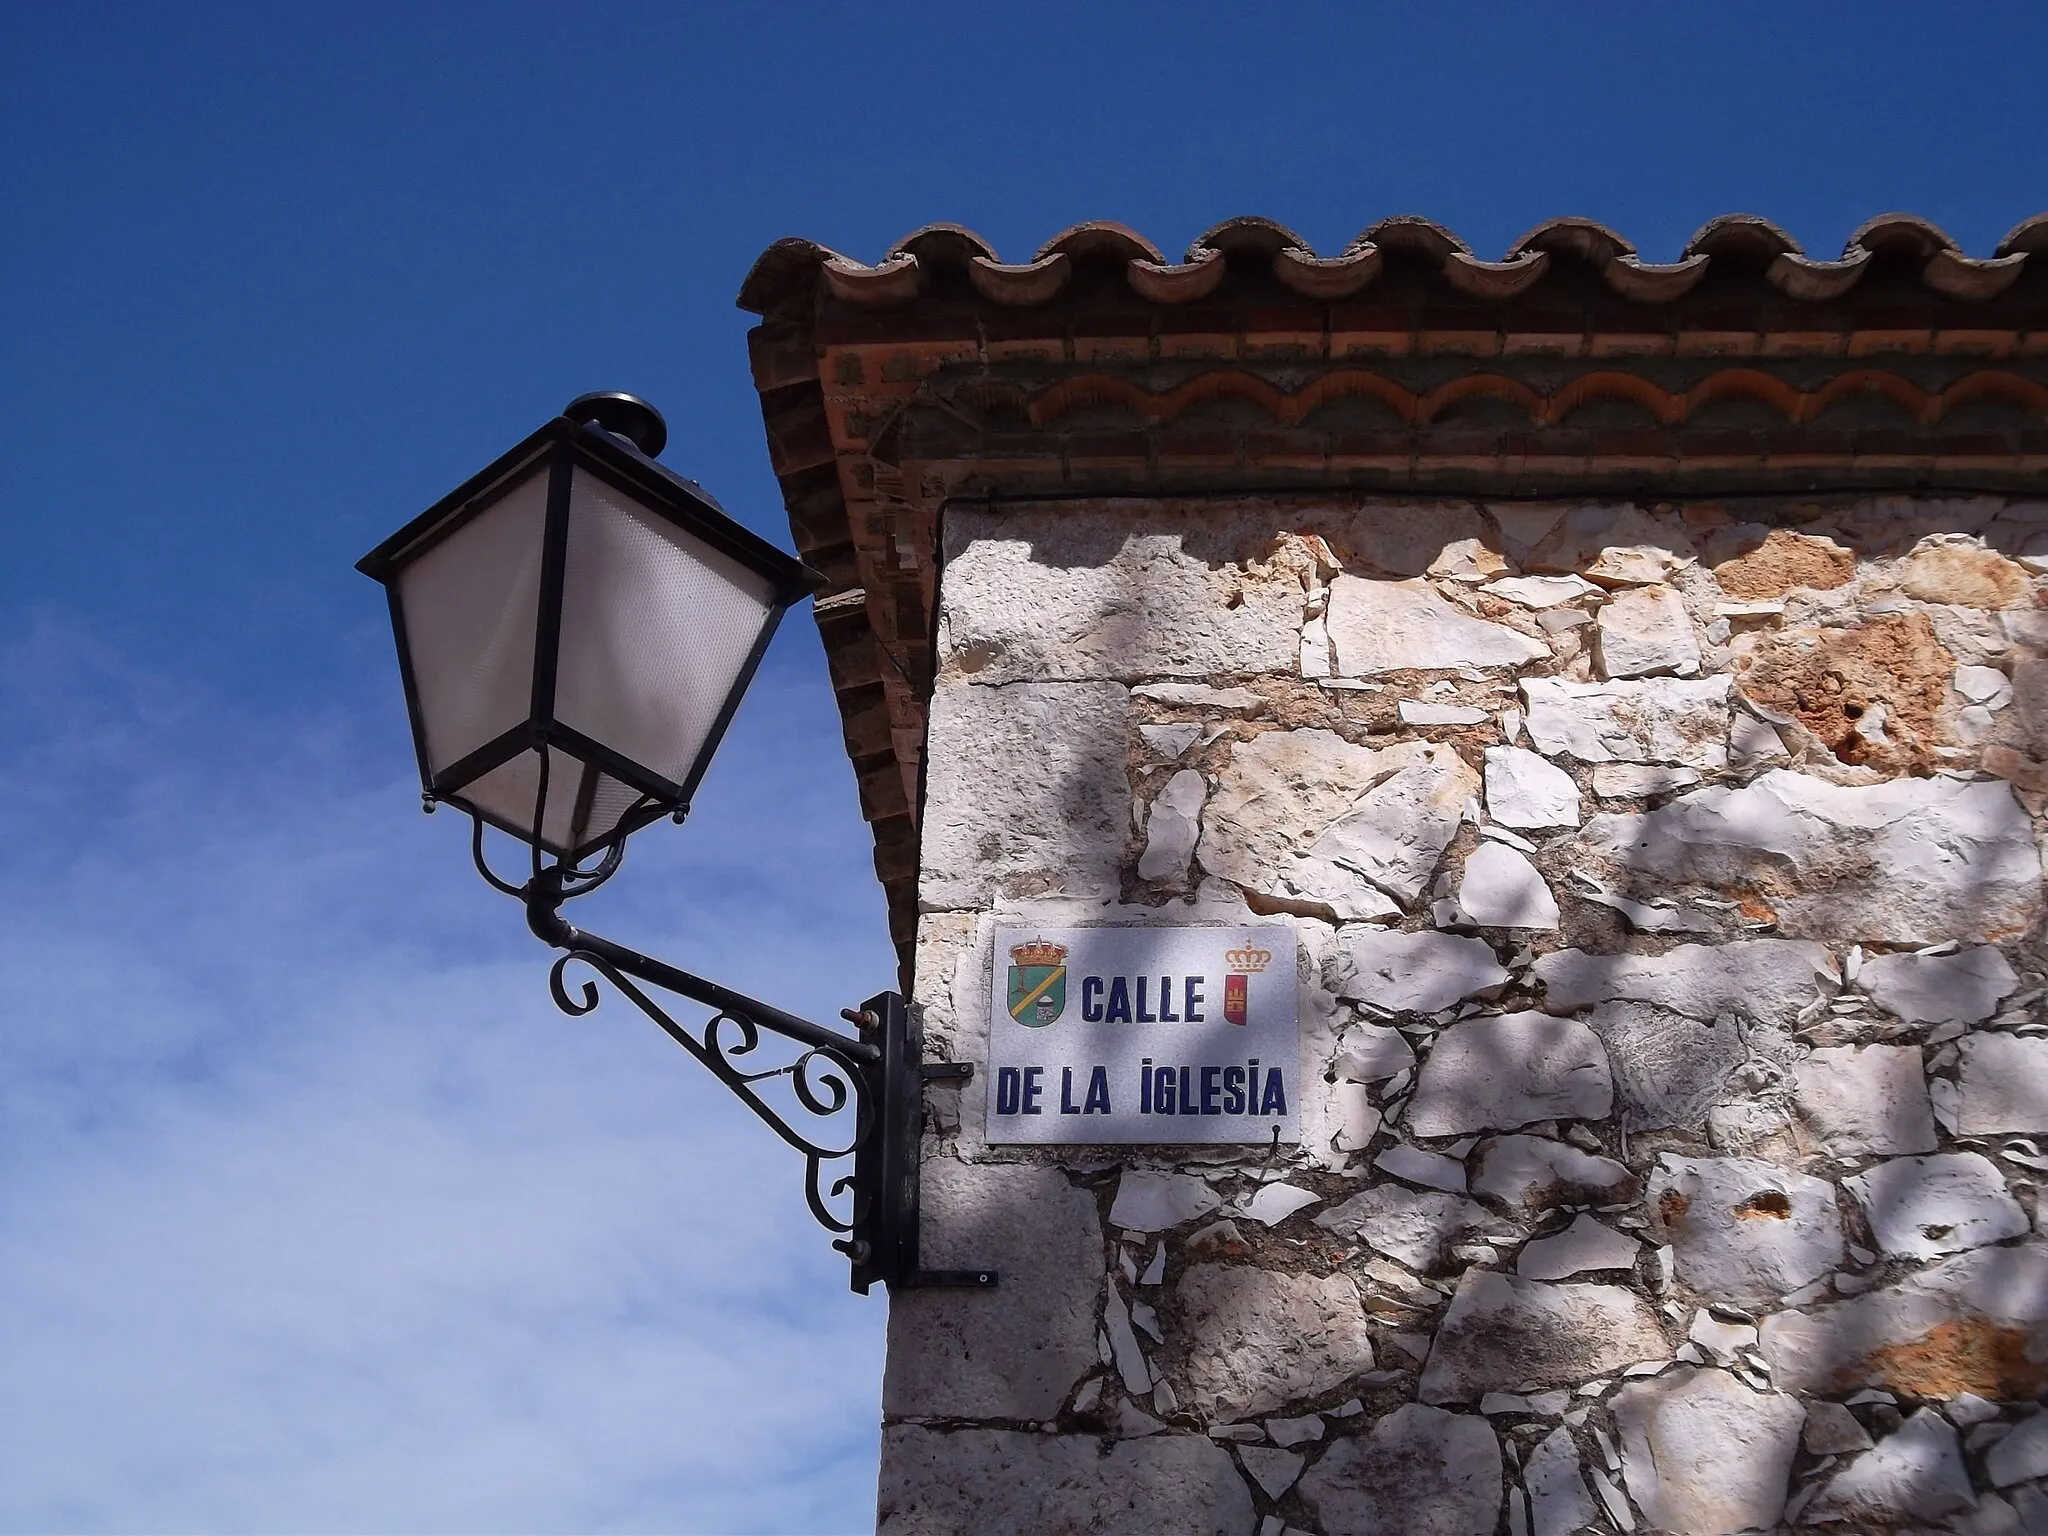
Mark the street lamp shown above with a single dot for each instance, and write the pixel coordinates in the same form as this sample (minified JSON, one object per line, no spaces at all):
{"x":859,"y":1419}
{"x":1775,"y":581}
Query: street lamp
{"x":576,"y":625}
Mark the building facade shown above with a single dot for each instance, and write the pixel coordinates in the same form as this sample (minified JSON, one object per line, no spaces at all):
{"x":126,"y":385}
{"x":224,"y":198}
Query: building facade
{"x":1612,"y":697}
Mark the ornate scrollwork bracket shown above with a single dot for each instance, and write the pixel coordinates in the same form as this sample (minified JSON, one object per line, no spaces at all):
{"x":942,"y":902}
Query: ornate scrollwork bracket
{"x":856,"y":1097}
{"x":822,"y":1079}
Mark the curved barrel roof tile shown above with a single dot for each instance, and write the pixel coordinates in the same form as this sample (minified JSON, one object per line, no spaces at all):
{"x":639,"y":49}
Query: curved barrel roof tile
{"x":795,"y":269}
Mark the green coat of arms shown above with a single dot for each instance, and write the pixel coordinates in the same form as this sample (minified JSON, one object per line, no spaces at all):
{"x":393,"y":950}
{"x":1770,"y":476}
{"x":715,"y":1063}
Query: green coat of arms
{"x":1038,"y":983}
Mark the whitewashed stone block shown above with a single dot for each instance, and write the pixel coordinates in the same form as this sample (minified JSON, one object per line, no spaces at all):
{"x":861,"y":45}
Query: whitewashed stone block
{"x":1150,"y":1201}
{"x":1963,"y":988}
{"x":1403,"y":538}
{"x":1467,"y":560}
{"x":1543,"y":591}
{"x":2004,"y":1082}
{"x":1418,"y":1472}
{"x":2022,"y":1455}
{"x":1169,"y":741}
{"x":1372,"y":1053}
{"x":1559,"y":1501}
{"x":1913,"y":1476}
{"x":1612,"y":1499}
{"x":1765,"y":979}
{"x":1130,"y":1422}
{"x":1525,"y":790}
{"x":1501,"y":1332}
{"x":1669,"y":1067}
{"x":1025,"y":792}
{"x":1650,"y":720}
{"x":2027,"y":627}
{"x":1704,"y":1454}
{"x":1984,"y":685}
{"x":1397,"y":832}
{"x":1277,"y":1201}
{"x":1432,"y":1170}
{"x":1630,"y":781}
{"x":1946,"y":1099}
{"x":1273,"y":1470}
{"x":1743,"y":1230}
{"x":1614,"y":542}
{"x":1124,"y":1348}
{"x":1500,"y":888}
{"x":1417,"y":972}
{"x":1928,"y":1207}
{"x":1273,"y":802}
{"x":1305,"y":1430}
{"x":1967,"y":1409}
{"x":1722,"y":1341}
{"x":1416,"y":1227}
{"x":1832,"y":1430}
{"x":1354,"y":1119}
{"x":1586,"y":1244}
{"x":1420,"y":712}
{"x":1646,"y":631}
{"x":1511,"y":1070}
{"x":1530,"y":1174}
{"x":1753,"y":742}
{"x":945,"y":941}
{"x":1000,"y":1482}
{"x":1035,"y":594}
{"x":1865,"y":1101}
{"x":2015,"y":1513}
{"x":1253,"y":1341}
{"x":1234,"y":701}
{"x":1172,"y":826}
{"x":1155,"y":1272}
{"x":1401,"y":626}
{"x":1315,"y":649}
{"x":950,"y":1357}
{"x":1909,"y":861}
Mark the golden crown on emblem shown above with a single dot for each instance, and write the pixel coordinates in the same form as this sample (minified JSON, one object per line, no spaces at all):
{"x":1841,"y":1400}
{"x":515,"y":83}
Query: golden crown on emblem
{"x":1038,"y":952}
{"x":1248,"y":959}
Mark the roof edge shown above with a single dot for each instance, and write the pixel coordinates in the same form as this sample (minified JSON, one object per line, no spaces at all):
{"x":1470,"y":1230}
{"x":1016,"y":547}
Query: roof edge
{"x":793,"y":270}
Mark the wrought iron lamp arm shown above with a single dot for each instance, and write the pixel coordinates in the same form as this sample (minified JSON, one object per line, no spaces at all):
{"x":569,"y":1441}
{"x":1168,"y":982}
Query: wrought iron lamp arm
{"x":544,"y":917}
{"x":880,"y":1076}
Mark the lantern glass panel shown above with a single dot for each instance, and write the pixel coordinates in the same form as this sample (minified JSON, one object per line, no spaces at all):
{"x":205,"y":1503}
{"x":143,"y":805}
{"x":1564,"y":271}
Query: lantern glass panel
{"x":658,"y":630}
{"x":584,"y":804}
{"x":470,"y":604}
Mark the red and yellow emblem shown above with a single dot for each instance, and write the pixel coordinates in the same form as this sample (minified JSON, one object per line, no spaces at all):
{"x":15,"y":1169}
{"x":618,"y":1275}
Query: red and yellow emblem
{"x":1237,"y":985}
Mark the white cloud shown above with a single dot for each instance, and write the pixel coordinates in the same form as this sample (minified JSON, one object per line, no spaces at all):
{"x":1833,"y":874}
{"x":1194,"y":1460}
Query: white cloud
{"x":316,"y":1215}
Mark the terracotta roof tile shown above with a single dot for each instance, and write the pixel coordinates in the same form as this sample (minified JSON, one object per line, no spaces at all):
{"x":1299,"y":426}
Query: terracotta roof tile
{"x":791,"y":269}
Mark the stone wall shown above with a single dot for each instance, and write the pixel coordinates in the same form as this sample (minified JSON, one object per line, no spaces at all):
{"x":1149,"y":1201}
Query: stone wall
{"x":1667,"y":884}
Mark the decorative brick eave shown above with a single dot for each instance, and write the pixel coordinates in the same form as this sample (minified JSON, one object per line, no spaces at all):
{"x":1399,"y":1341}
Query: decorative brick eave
{"x":1403,"y":366}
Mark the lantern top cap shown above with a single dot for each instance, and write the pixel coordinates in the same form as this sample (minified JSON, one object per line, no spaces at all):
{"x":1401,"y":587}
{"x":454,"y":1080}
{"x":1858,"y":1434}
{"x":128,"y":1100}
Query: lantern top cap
{"x":616,"y":435}
{"x":624,"y":415}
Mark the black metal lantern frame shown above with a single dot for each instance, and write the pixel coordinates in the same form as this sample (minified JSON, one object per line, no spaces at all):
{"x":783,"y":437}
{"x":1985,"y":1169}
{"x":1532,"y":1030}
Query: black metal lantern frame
{"x":462,"y":635}
{"x":591,"y":438}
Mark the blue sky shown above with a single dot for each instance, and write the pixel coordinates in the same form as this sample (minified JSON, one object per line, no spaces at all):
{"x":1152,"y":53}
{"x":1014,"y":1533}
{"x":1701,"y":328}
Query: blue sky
{"x":314,"y":1215}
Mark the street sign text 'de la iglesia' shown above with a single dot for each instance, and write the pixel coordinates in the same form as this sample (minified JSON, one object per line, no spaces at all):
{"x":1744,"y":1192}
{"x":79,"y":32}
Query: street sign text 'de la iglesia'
{"x":1168,"y":1034}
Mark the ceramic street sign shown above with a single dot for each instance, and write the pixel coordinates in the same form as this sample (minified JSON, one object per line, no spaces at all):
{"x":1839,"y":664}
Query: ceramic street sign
{"x":1143,"y":1034}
